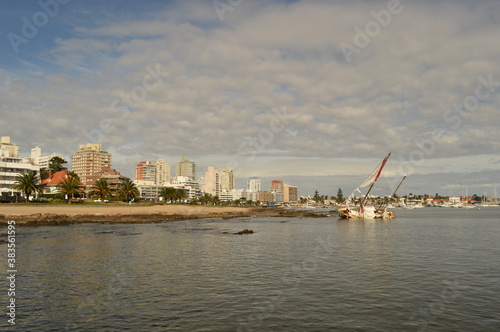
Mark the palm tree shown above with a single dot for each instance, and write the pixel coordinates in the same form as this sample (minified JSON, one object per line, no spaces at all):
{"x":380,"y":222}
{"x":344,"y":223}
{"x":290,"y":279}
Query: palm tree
{"x":28,"y":183}
{"x":215,"y":200}
{"x":69,"y":186}
{"x":101,"y":188}
{"x":205,"y":198}
{"x":167,"y":193}
{"x":129,"y":190}
{"x":180,"y":194}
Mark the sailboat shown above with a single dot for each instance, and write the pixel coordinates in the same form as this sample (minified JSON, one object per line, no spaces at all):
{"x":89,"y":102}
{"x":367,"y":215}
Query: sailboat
{"x":367,"y":212}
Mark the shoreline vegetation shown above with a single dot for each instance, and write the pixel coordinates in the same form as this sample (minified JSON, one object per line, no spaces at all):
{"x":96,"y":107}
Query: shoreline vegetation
{"x":41,"y":215}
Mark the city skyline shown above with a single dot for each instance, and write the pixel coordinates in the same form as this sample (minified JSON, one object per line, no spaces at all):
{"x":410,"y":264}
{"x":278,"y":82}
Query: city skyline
{"x":242,"y":85}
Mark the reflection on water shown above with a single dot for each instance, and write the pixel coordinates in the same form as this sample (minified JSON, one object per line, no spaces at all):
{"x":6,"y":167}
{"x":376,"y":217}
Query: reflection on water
{"x":430,"y":269}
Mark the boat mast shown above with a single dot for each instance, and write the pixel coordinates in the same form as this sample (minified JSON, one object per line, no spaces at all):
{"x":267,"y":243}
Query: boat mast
{"x":394,"y":193}
{"x":376,"y":178}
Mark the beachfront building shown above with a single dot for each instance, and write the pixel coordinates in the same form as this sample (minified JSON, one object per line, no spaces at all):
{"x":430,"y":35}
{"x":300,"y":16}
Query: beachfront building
{"x":89,"y":163}
{"x":186,"y":168}
{"x":11,"y":165}
{"x":114,"y":178}
{"x":290,"y":194}
{"x":148,"y":190}
{"x":158,"y":173}
{"x":265,"y":197}
{"x":232,"y":195}
{"x":254,"y":184}
{"x":145,"y":171}
{"x":50,"y":184}
{"x":212,"y":181}
{"x":8,"y":149}
{"x":226,"y":179}
{"x":189,"y":186}
{"x":162,"y":172}
{"x":42,"y":160}
{"x":277,"y":186}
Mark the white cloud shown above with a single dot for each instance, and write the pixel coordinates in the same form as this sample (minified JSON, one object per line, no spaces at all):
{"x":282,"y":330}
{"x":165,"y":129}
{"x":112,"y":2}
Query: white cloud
{"x":225,"y":78}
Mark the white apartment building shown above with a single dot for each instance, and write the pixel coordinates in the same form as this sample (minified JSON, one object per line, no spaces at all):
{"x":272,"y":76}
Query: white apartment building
{"x":226,"y":179}
{"x":254,"y":185}
{"x":42,"y":160}
{"x":162,"y":172}
{"x":212,"y":181}
{"x":148,"y":190}
{"x":11,"y":165}
{"x":189,"y":186}
{"x":232,"y":195}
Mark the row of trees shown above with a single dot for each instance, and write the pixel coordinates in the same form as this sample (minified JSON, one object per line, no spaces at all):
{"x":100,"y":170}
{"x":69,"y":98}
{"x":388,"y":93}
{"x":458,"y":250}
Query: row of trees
{"x":71,"y":186}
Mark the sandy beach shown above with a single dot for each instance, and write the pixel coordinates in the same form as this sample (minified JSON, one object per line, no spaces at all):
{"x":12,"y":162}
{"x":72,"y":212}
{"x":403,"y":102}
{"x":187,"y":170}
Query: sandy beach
{"x":36,"y":215}
{"x":75,"y":209}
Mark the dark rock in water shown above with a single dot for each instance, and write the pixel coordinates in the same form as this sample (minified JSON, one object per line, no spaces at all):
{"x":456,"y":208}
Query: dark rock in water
{"x":245,"y":231}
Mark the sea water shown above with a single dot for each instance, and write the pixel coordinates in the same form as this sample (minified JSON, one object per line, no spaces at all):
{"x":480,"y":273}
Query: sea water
{"x":430,"y":269}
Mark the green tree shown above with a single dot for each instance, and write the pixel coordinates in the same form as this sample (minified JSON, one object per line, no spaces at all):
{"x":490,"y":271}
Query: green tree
{"x":179,"y":194}
{"x":101,"y":188}
{"x":205,"y":199}
{"x":129,"y":190}
{"x":340,"y":196}
{"x":167,"y":193}
{"x":69,"y":187}
{"x":316,"y":197}
{"x":44,"y":173}
{"x":28,"y":183}
{"x":56,"y":164}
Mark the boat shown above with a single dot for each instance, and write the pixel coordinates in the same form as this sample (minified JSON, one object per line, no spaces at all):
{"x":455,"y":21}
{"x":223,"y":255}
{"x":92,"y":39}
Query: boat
{"x":364,"y":211}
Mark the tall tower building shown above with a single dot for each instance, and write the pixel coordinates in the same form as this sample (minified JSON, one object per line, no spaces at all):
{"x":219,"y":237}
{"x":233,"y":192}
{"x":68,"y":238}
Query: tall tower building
{"x":212,"y":181}
{"x":254,"y":185}
{"x":89,"y":163}
{"x":290,"y":194}
{"x":186,"y":168}
{"x":162,"y":172}
{"x":145,"y":171}
{"x":226,"y":179}
{"x":277,"y":186}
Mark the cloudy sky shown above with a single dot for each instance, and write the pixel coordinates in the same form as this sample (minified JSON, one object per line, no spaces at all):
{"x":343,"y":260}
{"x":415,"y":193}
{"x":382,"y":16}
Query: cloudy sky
{"x":313,"y":92}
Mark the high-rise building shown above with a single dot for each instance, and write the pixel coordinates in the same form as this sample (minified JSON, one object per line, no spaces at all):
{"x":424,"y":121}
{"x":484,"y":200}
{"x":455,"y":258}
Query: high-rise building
{"x":162,"y":172}
{"x":212,"y":181}
{"x":89,"y":163}
{"x":226,"y":179}
{"x":145,"y":171}
{"x":290,"y":194}
{"x":277,"y":186}
{"x":186,"y":168}
{"x":158,"y":173}
{"x":42,"y":160}
{"x":254,"y":185}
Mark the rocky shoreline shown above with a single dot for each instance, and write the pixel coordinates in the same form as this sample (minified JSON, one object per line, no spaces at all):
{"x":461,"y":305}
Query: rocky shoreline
{"x":51,"y":219}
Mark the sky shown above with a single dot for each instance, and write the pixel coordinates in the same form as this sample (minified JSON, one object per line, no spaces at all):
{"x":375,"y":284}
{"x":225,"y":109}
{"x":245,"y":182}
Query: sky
{"x":313,"y":92}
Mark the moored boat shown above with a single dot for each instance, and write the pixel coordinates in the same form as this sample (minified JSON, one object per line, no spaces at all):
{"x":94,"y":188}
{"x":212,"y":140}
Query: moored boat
{"x":366,"y":211}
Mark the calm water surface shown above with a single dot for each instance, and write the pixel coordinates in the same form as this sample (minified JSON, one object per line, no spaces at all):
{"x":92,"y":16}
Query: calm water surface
{"x":430,"y":269}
